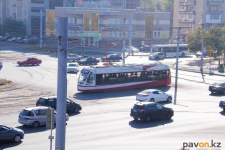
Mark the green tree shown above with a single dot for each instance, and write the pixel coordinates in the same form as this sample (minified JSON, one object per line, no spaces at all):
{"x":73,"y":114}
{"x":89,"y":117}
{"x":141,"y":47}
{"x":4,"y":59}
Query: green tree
{"x":168,"y":6}
{"x":214,"y":40}
{"x":149,"y":5}
{"x":194,"y":39}
{"x":14,"y":27}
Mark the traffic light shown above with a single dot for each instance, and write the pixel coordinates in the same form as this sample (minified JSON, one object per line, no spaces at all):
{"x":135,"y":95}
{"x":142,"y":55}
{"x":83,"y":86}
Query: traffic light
{"x":50,"y":118}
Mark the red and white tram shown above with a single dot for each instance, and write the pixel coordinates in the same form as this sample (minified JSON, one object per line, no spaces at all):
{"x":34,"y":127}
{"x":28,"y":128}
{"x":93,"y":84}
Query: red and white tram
{"x":106,"y":78}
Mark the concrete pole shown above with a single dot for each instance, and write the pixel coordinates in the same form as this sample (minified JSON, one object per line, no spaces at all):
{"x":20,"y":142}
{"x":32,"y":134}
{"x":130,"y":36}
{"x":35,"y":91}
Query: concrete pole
{"x":61,"y":84}
{"x":124,"y":37}
{"x":178,"y":42}
{"x":130,"y":32}
{"x":41,"y":29}
{"x":201,"y":69}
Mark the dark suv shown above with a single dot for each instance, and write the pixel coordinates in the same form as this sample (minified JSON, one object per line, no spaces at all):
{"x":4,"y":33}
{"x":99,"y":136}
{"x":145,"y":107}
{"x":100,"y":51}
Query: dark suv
{"x":150,"y":111}
{"x":51,"y":102}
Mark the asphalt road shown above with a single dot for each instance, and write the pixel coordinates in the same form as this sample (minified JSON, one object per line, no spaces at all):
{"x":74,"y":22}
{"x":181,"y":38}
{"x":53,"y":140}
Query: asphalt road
{"x":105,"y":123}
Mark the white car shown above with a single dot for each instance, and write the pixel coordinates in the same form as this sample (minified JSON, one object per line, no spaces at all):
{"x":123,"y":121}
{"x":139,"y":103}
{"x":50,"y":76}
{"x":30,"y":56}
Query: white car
{"x":35,"y":116}
{"x":132,"y":49}
{"x":73,"y":68}
{"x":74,"y":57}
{"x":153,"y":96}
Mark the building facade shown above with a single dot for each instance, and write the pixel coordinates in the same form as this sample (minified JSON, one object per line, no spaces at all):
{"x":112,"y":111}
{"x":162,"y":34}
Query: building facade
{"x":94,"y":27}
{"x":191,"y":13}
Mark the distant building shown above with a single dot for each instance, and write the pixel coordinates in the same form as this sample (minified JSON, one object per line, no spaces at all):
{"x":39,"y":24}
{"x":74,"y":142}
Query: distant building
{"x":191,"y":13}
{"x":95,"y":27}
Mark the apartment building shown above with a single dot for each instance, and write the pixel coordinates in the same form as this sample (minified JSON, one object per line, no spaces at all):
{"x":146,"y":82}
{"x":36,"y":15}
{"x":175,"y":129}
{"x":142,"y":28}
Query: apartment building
{"x":94,"y":27}
{"x":191,"y":13}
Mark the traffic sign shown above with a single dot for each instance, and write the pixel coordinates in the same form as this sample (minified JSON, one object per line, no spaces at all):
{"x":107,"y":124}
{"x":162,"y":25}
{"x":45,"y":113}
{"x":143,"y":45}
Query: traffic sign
{"x":142,"y":42}
{"x":80,"y":2}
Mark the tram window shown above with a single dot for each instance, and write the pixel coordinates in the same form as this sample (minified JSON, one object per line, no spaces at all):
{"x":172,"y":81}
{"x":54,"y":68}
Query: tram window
{"x":91,"y":79}
{"x":99,"y":79}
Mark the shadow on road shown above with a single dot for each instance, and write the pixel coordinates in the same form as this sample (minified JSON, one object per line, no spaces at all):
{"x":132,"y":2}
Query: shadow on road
{"x":29,"y":129}
{"x":4,"y":145}
{"x":73,"y":114}
{"x":113,"y":94}
{"x":217,"y":94}
{"x":142,"y":124}
{"x":222,"y":113}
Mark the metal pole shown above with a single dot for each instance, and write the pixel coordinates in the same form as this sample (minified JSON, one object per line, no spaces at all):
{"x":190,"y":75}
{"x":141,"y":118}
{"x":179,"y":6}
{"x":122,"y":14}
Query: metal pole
{"x":124,"y":36}
{"x":41,"y":29}
{"x":201,"y":69}
{"x":61,"y":84}
{"x":130,"y":32}
{"x":51,"y":128}
{"x":178,"y":41}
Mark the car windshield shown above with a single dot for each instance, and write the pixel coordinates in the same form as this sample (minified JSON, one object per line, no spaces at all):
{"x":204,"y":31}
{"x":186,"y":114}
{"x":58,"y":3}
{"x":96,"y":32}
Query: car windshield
{"x":72,"y":65}
{"x":25,"y":113}
{"x":138,"y":107}
{"x":146,"y":92}
{"x":217,"y":84}
{"x":84,"y":59}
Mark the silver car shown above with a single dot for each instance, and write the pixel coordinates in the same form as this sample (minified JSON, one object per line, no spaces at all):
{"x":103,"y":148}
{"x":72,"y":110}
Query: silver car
{"x":156,"y":56}
{"x":35,"y":116}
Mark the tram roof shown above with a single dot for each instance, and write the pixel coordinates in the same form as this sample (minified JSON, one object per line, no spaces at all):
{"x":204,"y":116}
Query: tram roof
{"x":126,"y":68}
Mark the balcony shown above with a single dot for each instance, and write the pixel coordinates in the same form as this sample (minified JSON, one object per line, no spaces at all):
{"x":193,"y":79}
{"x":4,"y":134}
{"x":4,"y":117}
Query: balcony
{"x":188,"y":2}
{"x":214,"y":12}
{"x":215,"y":2}
{"x":187,"y":11}
{"x":186,"y":20}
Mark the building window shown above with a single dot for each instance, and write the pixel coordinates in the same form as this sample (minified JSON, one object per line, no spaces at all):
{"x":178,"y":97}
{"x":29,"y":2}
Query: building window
{"x":94,"y":22}
{"x":73,"y":20}
{"x":7,"y":2}
{"x":14,"y":15}
{"x":14,"y":5}
{"x":24,"y":3}
{"x":158,"y":34}
{"x":110,"y":34}
{"x":56,"y":19}
{"x":157,"y":22}
{"x":19,"y":3}
{"x":86,"y":21}
{"x":72,"y":33}
{"x":155,"y":34}
{"x":25,"y":12}
{"x":214,"y":16}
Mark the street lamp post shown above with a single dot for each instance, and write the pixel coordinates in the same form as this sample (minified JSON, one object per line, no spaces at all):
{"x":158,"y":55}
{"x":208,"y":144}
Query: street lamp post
{"x":201,"y":69}
{"x":124,"y":11}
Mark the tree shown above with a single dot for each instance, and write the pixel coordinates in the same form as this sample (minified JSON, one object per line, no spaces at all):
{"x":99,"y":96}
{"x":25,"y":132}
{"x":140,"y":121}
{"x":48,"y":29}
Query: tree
{"x":149,"y":5}
{"x":214,"y":40}
{"x":14,"y":27}
{"x":168,"y":6}
{"x":194,"y":39}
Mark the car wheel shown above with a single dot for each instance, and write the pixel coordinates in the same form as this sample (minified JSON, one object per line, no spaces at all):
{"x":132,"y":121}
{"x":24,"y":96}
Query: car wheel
{"x":136,"y":119}
{"x":152,"y":100}
{"x":25,"y":64}
{"x":38,"y":64}
{"x":76,"y":110}
{"x":35,"y":124}
{"x":20,"y":64}
{"x":169,"y":99}
{"x":223,"y":109}
{"x":224,"y":92}
{"x":148,"y":118}
{"x":17,"y":138}
{"x":183,"y":54}
{"x":168,"y":117}
{"x":212,"y":92}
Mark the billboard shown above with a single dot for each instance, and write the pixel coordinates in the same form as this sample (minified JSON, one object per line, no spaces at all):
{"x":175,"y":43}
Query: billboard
{"x":149,"y":19}
{"x":50,"y":23}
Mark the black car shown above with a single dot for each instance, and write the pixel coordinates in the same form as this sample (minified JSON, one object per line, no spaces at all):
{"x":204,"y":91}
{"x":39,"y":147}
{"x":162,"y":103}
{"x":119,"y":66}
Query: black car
{"x":150,"y":111}
{"x":88,"y":61}
{"x":10,"y":134}
{"x":1,"y":65}
{"x":51,"y":102}
{"x":217,"y":87}
{"x":112,"y":57}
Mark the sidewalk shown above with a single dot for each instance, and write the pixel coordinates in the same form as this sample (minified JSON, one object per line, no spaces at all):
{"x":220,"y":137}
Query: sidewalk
{"x":191,"y":67}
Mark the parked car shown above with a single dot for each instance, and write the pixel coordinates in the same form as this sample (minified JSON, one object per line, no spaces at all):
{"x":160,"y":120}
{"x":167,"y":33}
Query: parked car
{"x":35,"y":116}
{"x":112,"y":57}
{"x":153,"y":96}
{"x":1,"y":65}
{"x":31,"y":40}
{"x":132,"y":49}
{"x":19,"y":40}
{"x":29,"y":61}
{"x":12,"y":39}
{"x":88,"y":61}
{"x":222,"y":105}
{"x":5,"y":38}
{"x":1,"y":37}
{"x":10,"y":134}
{"x":217,"y":87}
{"x":199,"y":54}
{"x":149,"y":111}
{"x":74,"y":57}
{"x":74,"y":68}
{"x":157,"y":56}
{"x":51,"y":101}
